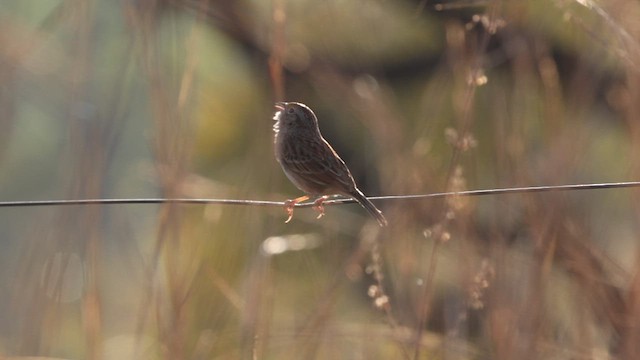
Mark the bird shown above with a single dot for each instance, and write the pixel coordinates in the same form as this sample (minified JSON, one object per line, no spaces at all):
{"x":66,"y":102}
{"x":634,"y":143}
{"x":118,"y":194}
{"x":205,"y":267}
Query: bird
{"x":311,"y":164}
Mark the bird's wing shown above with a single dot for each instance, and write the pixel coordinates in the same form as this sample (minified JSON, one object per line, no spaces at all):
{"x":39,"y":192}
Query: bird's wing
{"x":319,"y":163}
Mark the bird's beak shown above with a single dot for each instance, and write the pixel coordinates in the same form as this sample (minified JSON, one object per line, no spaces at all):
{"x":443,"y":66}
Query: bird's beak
{"x":280,"y":107}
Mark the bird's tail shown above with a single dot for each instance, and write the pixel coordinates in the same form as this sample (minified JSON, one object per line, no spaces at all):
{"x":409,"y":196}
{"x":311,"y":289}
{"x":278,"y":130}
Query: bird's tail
{"x":368,"y":205}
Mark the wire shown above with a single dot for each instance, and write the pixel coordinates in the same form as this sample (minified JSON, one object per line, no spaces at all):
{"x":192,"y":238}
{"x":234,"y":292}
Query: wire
{"x":503,"y":191}
{"x":138,"y":201}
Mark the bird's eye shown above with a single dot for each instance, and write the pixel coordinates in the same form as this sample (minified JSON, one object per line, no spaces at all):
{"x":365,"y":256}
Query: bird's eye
{"x":291,"y":110}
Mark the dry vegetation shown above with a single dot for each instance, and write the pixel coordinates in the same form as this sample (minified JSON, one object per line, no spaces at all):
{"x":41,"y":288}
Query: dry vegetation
{"x":174,"y":98}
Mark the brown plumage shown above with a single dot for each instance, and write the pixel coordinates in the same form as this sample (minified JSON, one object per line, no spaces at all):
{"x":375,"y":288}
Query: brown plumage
{"x":310,"y":162}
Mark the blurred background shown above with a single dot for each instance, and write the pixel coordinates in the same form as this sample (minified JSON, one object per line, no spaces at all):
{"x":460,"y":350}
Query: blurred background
{"x":174,"y":98}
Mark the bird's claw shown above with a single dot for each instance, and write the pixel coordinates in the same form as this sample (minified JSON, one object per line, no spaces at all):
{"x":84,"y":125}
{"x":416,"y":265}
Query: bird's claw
{"x":317,"y":206}
{"x":289,"y":205}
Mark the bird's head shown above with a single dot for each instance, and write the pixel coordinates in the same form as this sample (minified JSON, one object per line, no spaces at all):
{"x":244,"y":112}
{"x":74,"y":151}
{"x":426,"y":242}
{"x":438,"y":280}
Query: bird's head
{"x":294,"y":115}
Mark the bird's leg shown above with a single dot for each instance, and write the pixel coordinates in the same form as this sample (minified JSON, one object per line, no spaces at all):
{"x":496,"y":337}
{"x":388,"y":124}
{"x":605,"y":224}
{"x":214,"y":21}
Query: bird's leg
{"x":317,"y":206}
{"x":290,"y":204}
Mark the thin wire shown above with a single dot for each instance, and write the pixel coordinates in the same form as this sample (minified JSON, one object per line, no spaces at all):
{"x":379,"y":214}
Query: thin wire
{"x":139,"y":201}
{"x":504,"y":191}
